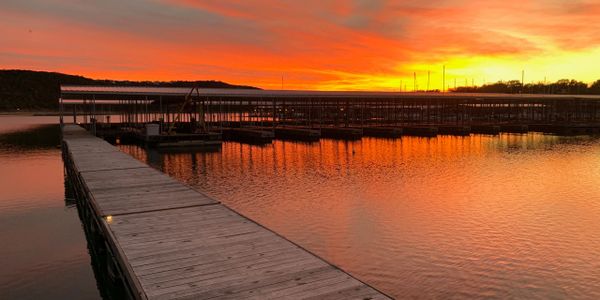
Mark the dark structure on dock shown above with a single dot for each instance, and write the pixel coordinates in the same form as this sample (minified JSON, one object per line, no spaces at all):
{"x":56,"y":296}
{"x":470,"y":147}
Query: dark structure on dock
{"x":183,"y":116}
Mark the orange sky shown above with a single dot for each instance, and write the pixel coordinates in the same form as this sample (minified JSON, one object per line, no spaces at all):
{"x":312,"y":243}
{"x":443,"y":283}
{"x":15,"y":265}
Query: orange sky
{"x":314,"y":44}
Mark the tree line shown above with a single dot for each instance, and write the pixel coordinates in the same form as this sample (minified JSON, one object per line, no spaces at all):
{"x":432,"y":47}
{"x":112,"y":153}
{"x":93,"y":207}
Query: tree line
{"x":35,"y":90}
{"x":563,"y":86}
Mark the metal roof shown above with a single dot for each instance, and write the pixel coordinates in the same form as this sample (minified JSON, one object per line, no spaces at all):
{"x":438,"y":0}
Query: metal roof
{"x":116,"y":91}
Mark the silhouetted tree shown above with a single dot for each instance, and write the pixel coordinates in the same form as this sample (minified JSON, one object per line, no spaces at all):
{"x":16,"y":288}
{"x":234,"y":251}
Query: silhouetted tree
{"x":41,"y":90}
{"x":563,"y":86}
{"x":595,"y":87}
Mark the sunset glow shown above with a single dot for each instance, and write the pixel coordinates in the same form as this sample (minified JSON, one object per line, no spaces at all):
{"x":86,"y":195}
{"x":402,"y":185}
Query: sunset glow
{"x":325,"y":45}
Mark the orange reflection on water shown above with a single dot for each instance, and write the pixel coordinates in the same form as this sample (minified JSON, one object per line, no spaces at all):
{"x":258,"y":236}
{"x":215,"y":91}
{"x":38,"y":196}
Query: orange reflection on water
{"x":478,"y":216}
{"x":22,"y":183}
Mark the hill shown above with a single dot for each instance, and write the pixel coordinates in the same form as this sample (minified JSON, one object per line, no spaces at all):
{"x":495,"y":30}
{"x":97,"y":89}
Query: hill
{"x":35,"y":90}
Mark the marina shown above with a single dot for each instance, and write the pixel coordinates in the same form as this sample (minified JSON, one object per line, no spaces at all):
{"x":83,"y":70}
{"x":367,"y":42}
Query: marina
{"x":352,"y":149}
{"x":384,"y":210}
{"x":194,"y":116}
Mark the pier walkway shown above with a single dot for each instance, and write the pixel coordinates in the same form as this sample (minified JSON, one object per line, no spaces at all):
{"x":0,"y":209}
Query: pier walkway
{"x":171,"y":241}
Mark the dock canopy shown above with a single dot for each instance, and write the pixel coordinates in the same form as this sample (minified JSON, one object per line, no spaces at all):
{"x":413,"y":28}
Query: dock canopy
{"x":72,"y":92}
{"x":208,"y":108}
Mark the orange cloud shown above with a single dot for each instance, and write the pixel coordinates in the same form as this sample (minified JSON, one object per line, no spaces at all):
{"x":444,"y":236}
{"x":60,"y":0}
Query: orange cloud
{"x":371,"y":45}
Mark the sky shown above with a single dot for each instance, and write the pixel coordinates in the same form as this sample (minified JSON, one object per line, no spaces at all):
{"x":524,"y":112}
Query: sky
{"x":308,"y":44}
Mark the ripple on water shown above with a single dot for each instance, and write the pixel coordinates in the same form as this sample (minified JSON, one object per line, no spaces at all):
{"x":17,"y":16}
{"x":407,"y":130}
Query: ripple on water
{"x":508,"y":216}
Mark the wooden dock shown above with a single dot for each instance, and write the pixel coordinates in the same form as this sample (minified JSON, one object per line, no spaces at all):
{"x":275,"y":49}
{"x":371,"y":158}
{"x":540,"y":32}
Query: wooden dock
{"x":173,"y":242}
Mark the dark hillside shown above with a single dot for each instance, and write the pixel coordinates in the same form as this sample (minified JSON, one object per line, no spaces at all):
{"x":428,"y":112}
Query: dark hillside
{"x":34,"y":90}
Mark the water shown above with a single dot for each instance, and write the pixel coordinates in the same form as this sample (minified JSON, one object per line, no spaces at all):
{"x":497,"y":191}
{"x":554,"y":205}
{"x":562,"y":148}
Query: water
{"x":509,"y":216}
{"x":43,"y":251}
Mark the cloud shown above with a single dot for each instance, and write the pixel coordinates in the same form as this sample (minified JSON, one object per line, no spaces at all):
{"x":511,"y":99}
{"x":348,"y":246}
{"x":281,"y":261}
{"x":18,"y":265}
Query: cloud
{"x":317,"y":44}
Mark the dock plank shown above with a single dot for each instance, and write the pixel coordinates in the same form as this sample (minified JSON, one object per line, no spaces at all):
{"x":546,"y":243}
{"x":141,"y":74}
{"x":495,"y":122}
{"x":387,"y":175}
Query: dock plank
{"x":198,"y":276}
{"x":125,"y":191}
{"x":176,"y":242}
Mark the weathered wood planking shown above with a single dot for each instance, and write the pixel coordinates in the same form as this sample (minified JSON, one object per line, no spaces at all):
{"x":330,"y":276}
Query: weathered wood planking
{"x":177,"y":243}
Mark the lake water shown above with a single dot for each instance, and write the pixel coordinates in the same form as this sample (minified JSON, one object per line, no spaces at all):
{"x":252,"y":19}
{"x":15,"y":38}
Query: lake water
{"x":43,"y":250}
{"x":508,"y":216}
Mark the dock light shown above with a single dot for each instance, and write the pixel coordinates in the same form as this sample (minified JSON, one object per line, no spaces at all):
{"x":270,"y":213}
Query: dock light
{"x":109,"y":219}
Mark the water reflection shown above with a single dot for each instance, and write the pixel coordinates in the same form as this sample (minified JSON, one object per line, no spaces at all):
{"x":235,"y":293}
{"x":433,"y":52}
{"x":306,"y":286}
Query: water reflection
{"x":43,"y":253}
{"x":109,"y":283}
{"x":508,"y":216}
{"x":39,"y":137}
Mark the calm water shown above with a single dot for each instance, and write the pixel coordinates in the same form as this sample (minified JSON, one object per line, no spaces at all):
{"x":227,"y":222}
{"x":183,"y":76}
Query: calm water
{"x":43,"y":250}
{"x":510,"y":216}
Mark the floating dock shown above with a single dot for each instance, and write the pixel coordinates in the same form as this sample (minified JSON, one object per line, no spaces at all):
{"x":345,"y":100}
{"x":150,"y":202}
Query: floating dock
{"x":454,"y":130}
{"x":424,"y":131}
{"x":294,"y":133}
{"x":485,"y":129}
{"x":514,"y":128}
{"x":345,"y":133}
{"x":250,"y":135}
{"x":565,"y":129}
{"x":165,"y":140}
{"x":388,"y":132}
{"x":170,"y":241}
